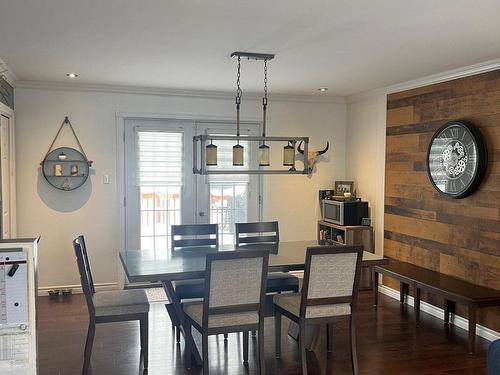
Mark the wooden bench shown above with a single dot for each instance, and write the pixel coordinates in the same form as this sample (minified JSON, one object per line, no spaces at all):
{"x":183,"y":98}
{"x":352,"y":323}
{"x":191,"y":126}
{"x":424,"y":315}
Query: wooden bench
{"x":453,"y":291}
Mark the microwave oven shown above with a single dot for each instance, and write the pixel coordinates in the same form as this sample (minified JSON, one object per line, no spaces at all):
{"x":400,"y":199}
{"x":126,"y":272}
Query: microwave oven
{"x":344,"y":213}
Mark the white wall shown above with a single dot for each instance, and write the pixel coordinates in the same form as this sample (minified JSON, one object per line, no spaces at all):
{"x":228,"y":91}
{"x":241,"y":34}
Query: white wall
{"x":93,"y":210}
{"x":365,"y":156}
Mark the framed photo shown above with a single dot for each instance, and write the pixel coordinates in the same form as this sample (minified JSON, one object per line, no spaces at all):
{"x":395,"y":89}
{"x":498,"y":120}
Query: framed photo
{"x":342,"y":187}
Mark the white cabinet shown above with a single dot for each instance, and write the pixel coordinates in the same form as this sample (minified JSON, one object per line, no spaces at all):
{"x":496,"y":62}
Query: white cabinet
{"x":18,"y":264}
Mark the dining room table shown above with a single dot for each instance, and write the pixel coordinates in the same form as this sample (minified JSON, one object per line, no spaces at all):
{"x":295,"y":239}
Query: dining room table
{"x":149,"y":266}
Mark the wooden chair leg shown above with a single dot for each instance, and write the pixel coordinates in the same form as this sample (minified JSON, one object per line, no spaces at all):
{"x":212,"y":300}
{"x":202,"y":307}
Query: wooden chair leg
{"x":302,"y":347}
{"x":262,"y":356}
{"x":352,"y":335}
{"x":277,"y":333}
{"x":245,"y":346}
{"x":188,"y":356}
{"x":178,"y":335}
{"x":204,"y":349}
{"x":144,"y":328}
{"x":375,"y":288}
{"x":472,"y":328}
{"x":328,"y":338}
{"x":88,"y":347}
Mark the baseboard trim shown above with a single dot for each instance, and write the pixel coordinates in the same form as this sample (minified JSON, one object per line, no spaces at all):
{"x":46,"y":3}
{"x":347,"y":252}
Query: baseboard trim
{"x":77,"y":289}
{"x":484,"y":332}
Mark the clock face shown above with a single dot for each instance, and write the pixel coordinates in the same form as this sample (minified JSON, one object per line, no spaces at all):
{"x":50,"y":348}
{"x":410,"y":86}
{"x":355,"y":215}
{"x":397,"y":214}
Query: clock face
{"x":456,"y":159}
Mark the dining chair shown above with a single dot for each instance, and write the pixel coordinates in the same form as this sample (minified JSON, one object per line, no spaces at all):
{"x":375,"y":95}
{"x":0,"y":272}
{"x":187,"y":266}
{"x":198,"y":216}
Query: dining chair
{"x":267,"y":233}
{"x":329,"y":291}
{"x":190,"y":236}
{"x":110,"y":306}
{"x":234,"y":301}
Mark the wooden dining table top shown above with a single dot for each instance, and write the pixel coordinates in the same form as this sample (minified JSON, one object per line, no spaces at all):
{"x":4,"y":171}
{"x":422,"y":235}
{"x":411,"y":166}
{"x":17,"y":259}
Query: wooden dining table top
{"x":189,"y":262}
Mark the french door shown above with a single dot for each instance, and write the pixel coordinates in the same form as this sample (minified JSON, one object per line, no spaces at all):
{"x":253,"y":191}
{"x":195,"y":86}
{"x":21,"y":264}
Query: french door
{"x":161,"y":189}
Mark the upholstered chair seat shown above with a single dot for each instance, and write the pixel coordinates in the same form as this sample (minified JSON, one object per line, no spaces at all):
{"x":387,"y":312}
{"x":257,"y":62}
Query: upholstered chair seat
{"x":187,"y":289}
{"x":195,"y":312}
{"x":120,"y":302}
{"x":291,"y":303}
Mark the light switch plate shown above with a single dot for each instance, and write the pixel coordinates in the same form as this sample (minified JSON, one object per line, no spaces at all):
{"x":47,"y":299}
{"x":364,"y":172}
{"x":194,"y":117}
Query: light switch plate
{"x":105,"y":179}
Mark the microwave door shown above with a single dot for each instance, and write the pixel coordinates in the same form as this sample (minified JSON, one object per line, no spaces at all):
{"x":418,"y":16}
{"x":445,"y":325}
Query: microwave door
{"x":333,"y":213}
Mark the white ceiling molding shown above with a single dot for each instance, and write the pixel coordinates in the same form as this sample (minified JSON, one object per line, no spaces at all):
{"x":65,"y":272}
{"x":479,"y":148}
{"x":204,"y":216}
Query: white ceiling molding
{"x":224,"y":95}
{"x":449,"y":75}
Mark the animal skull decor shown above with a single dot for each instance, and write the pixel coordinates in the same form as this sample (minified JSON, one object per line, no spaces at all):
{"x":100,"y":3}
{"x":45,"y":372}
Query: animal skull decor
{"x":312,"y":156}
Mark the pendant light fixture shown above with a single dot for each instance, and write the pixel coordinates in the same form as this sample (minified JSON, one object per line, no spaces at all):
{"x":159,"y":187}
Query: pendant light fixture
{"x":205,"y":152}
{"x":238,"y":149}
{"x":211,"y":154}
{"x":264,"y":151}
{"x":289,"y":154}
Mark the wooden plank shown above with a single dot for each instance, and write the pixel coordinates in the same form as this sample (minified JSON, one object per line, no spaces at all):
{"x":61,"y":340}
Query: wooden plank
{"x":401,"y":116}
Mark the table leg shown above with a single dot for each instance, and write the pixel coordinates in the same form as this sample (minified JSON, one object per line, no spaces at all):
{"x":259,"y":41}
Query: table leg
{"x":416,"y":305}
{"x":177,"y":308}
{"x":472,"y":328}
{"x":375,"y":287}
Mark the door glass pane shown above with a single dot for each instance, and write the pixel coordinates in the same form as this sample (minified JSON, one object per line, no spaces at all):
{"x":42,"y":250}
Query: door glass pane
{"x":228,"y":205}
{"x":160,"y":208}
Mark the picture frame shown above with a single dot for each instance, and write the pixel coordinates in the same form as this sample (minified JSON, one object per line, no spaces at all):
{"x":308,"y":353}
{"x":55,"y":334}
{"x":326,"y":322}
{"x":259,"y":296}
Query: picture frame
{"x":342,"y":187}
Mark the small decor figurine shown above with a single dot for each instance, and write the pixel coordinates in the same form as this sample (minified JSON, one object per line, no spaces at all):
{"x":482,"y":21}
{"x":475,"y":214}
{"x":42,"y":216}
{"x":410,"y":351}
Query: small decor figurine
{"x":74,"y":170}
{"x":58,"y":170}
{"x":62,"y":156}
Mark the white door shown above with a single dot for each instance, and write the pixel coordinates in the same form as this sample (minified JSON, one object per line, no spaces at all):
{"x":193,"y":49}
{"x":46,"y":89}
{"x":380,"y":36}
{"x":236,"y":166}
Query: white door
{"x":229,"y":199}
{"x":5,"y":175}
{"x":161,"y":189}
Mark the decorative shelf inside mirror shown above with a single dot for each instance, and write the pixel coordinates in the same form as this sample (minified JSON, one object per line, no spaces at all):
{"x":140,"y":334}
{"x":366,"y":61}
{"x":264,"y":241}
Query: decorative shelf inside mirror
{"x":66,"y":168}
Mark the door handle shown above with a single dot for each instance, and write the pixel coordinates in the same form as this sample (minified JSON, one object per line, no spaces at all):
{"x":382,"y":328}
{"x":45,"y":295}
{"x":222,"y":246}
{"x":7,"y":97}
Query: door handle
{"x":201,"y":213}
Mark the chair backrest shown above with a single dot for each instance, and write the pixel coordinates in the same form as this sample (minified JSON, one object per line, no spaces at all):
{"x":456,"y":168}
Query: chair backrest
{"x":194,"y":235}
{"x":247,"y":233}
{"x":235,"y":282}
{"x":494,"y":358}
{"x":331,"y":276}
{"x":85,"y":274}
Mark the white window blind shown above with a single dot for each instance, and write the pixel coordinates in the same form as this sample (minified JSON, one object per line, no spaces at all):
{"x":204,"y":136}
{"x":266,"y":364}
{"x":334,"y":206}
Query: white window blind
{"x":159,"y":158}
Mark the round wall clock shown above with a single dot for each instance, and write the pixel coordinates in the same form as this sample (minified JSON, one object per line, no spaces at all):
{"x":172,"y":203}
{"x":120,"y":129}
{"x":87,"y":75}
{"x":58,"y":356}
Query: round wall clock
{"x":456,"y":159}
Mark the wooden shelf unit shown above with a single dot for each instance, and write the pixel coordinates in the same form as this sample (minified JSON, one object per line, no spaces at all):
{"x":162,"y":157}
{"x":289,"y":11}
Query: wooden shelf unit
{"x":352,"y":234}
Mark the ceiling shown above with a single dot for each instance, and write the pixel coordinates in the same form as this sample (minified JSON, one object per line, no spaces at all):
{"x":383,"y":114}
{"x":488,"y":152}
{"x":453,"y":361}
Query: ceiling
{"x":347,"y":46}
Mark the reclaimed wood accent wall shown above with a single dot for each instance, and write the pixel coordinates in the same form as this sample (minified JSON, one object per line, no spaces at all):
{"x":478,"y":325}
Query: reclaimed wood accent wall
{"x":458,"y":237}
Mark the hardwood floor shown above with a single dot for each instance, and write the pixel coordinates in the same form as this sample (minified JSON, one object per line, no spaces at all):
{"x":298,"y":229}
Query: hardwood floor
{"x":388,"y":343}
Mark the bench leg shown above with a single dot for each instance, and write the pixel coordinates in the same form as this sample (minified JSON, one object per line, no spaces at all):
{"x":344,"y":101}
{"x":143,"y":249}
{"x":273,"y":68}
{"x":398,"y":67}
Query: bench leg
{"x":403,"y":290}
{"x":416,"y":305}
{"x":375,"y":287}
{"x":449,"y":308}
{"x":472,"y":328}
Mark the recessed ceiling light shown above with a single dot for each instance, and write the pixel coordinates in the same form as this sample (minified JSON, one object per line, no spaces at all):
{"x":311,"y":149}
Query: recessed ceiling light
{"x":71,"y":75}
{"x":323,"y":89}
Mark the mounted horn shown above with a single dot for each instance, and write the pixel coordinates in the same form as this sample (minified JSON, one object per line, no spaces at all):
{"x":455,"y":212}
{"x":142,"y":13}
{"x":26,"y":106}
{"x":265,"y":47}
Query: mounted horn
{"x":299,"y":148}
{"x":325,"y":150}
